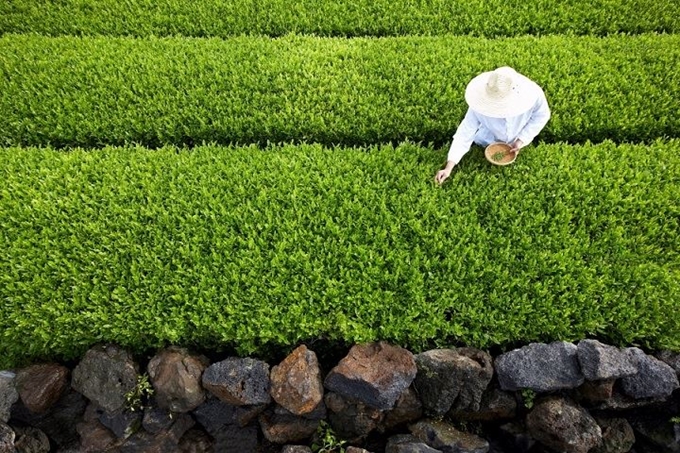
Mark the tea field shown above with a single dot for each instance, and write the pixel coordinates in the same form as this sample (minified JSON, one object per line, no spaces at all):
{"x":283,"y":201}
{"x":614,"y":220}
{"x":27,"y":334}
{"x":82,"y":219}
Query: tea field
{"x":229,"y":175}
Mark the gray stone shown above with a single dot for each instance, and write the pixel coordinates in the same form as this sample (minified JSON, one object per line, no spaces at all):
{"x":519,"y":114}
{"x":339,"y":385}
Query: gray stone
{"x":514,"y":434}
{"x":156,"y":419}
{"x":621,"y":402}
{"x":176,"y":379}
{"x":351,"y":419}
{"x":452,"y":378}
{"x":672,"y":359}
{"x":599,"y":361}
{"x":8,"y":394}
{"x":617,"y":436}
{"x":234,"y":439}
{"x":374,"y":373}
{"x":664,"y":437}
{"x":214,"y":415}
{"x":196,"y":441}
{"x":296,"y":382}
{"x":444,"y":437}
{"x":105,"y":375}
{"x":7,"y":437}
{"x":563,"y":426}
{"x":296,"y":449}
{"x":654,"y":378}
{"x":495,"y":405}
{"x":59,"y":422}
{"x":30,"y":440}
{"x":122,"y":424}
{"x":540,"y":367}
{"x":406,"y":443}
{"x":285,"y":427}
{"x":407,"y":409}
{"x":162,"y":442}
{"x":239,"y":382}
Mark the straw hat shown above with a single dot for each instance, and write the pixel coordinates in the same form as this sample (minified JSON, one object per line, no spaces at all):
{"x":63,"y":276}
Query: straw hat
{"x":501,"y":93}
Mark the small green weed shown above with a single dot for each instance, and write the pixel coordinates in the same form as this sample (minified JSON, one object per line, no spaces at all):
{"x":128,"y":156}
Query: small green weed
{"x":135,"y":398}
{"x":327,"y":441}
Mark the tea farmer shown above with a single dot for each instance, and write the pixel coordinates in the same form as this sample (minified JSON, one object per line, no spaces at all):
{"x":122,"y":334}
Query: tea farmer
{"x":504,"y":106}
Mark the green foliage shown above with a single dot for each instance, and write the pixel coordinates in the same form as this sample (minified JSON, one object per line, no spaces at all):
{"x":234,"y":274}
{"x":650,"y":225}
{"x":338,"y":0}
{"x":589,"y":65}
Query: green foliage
{"x":326,"y":441}
{"x":528,"y":397}
{"x":93,"y":92}
{"x":255,"y":248}
{"x":223,"y":18}
{"x":135,"y":398}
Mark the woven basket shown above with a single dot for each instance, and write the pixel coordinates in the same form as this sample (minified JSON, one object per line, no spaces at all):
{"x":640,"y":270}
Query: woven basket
{"x":499,"y":154}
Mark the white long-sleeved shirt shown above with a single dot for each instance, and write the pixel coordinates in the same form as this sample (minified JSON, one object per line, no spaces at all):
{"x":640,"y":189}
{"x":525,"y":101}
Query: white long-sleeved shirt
{"x":485,"y":130}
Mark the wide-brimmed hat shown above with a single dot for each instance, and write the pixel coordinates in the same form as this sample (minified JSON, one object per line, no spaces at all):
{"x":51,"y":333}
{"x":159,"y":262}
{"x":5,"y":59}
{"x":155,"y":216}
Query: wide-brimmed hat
{"x":501,"y":93}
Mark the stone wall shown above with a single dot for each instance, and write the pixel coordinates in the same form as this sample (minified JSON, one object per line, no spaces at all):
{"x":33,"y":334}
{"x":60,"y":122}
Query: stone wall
{"x":557,"y":397}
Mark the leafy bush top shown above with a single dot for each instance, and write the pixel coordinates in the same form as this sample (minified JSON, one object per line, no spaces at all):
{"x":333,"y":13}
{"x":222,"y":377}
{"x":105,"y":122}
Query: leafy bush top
{"x":250,"y":247}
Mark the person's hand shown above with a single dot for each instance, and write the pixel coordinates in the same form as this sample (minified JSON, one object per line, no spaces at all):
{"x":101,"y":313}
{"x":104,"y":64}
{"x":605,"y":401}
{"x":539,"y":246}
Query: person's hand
{"x":516,"y":146}
{"x":442,"y":175}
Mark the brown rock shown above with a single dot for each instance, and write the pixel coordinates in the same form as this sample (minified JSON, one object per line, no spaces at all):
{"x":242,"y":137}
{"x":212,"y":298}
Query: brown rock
{"x":284,"y":427}
{"x":356,"y":450}
{"x":617,"y":436}
{"x":40,"y":386}
{"x":407,"y":409}
{"x":374,"y":373}
{"x":176,"y":379}
{"x":296,"y":382}
{"x":95,"y":437}
{"x":594,"y":392}
{"x":564,"y":426}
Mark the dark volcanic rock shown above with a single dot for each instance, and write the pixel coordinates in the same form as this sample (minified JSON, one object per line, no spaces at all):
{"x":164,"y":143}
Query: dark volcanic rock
{"x":351,"y":419}
{"x":452,"y":378}
{"x":239,"y":382}
{"x":8,"y":394}
{"x":600,"y":362}
{"x":444,"y":437}
{"x":105,"y":375}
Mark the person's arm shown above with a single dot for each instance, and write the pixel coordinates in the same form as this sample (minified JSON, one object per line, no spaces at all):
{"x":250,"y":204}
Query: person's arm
{"x":539,"y":118}
{"x":462,"y":140}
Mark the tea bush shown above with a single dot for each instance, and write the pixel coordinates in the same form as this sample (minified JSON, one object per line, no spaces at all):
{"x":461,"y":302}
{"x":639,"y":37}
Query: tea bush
{"x":259,"y":247}
{"x":93,"y":92}
{"x":223,"y":18}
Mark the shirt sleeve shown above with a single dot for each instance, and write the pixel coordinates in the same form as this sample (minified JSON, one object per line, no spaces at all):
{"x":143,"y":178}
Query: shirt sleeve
{"x":540,"y":115}
{"x":464,"y":136}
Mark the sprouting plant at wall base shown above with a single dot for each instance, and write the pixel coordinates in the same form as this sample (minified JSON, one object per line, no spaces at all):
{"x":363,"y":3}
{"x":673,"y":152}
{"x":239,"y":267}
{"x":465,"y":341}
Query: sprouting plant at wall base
{"x":135,"y":398}
{"x":327,"y":441}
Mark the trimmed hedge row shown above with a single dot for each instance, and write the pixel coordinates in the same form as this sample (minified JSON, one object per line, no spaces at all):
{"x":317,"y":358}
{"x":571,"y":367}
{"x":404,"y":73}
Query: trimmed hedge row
{"x":93,"y":92}
{"x":223,"y":18}
{"x":251,"y":247}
